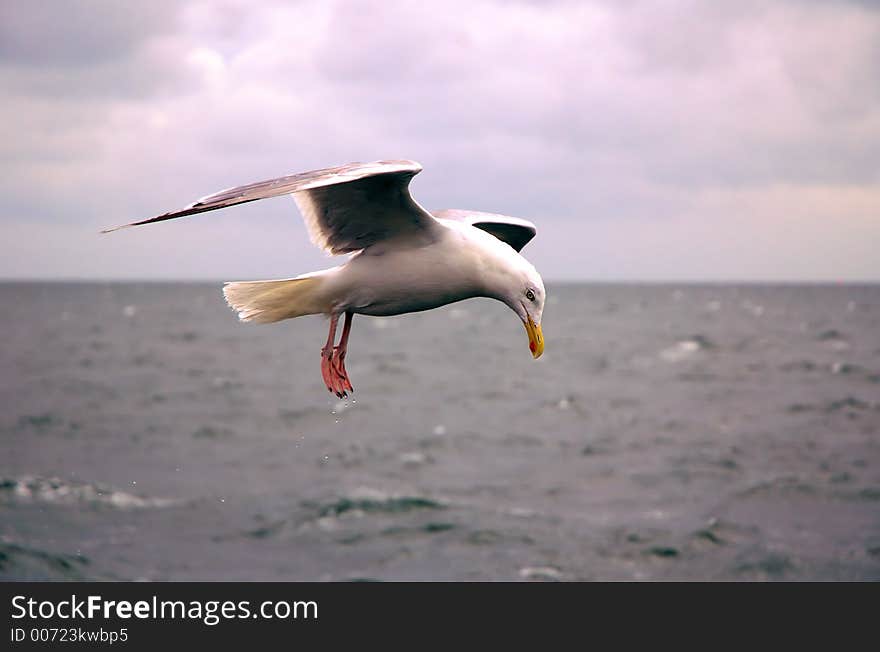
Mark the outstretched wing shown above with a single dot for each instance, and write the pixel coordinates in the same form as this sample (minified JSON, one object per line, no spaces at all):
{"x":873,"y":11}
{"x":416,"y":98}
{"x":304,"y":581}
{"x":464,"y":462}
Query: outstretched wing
{"x":346,"y":208}
{"x":514,"y":231}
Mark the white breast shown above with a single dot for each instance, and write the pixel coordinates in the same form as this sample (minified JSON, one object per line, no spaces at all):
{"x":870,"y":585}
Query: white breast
{"x":401,"y":277}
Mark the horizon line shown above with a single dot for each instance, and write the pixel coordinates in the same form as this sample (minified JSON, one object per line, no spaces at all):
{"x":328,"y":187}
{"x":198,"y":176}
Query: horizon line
{"x":551,"y":281}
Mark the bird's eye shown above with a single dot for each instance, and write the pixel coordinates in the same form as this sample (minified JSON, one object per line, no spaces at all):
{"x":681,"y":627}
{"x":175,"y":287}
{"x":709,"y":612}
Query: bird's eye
{"x":530,"y":295}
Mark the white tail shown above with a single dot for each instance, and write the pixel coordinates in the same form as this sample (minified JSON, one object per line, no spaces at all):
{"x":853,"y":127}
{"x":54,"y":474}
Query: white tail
{"x":265,"y":302}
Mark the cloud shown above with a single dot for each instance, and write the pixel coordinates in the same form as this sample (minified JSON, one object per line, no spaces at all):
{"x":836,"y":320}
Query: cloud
{"x":617,"y":122}
{"x":76,"y":33}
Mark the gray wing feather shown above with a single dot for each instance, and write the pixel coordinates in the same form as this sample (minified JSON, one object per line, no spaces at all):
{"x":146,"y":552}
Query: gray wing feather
{"x":346,"y":208}
{"x":350,"y":216}
{"x":514,"y":231}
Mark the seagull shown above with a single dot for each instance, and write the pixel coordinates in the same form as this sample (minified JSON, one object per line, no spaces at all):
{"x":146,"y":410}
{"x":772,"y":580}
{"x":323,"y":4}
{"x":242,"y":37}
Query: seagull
{"x":402,"y":257}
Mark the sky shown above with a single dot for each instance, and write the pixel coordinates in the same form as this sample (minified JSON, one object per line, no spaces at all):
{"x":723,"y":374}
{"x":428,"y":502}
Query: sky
{"x":648,"y":141}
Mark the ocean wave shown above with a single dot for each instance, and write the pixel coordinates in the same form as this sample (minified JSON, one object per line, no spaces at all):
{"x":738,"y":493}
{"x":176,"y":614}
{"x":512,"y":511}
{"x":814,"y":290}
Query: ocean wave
{"x":687,"y":348}
{"x":26,"y":562}
{"x":29,"y":488}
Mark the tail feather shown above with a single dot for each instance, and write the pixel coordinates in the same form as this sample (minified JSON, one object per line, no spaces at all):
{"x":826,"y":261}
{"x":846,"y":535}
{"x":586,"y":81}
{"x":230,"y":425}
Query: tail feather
{"x":264,"y":302}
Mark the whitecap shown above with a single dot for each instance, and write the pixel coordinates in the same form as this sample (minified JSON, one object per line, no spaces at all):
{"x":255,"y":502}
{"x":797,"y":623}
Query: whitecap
{"x":545,"y":573}
{"x":55,"y":490}
{"x":413,"y":459}
{"x":680,"y":351}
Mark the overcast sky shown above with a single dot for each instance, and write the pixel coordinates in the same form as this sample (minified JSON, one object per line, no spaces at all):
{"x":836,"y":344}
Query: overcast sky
{"x":647,"y":140}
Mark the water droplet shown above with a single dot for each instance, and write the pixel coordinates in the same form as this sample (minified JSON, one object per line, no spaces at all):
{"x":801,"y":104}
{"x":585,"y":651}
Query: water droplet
{"x":222,"y":500}
{"x":134,"y":482}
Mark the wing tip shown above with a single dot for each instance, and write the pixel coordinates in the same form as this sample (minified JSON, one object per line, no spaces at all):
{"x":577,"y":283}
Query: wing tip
{"x":116,"y":228}
{"x":204,"y":203}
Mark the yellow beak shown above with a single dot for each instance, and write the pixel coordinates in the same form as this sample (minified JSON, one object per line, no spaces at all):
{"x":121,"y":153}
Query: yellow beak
{"x":536,"y":338}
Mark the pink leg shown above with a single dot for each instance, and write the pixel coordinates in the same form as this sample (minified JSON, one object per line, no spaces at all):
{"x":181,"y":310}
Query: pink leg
{"x":327,"y":357}
{"x":338,"y":361}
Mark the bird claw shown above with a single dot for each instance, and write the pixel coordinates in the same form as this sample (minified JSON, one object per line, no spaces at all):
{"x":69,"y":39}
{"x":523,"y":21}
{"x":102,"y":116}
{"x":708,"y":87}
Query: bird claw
{"x":338,"y":364}
{"x":333,"y":372}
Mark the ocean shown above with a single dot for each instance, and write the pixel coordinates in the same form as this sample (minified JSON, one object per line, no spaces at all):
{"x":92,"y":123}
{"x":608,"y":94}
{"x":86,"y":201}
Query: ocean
{"x":669,"y":432}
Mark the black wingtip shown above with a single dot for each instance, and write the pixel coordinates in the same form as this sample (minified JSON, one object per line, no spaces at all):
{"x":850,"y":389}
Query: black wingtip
{"x":116,"y":228}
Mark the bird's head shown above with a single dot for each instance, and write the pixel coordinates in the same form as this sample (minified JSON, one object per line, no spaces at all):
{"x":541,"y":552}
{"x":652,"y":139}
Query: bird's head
{"x":524,"y":293}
